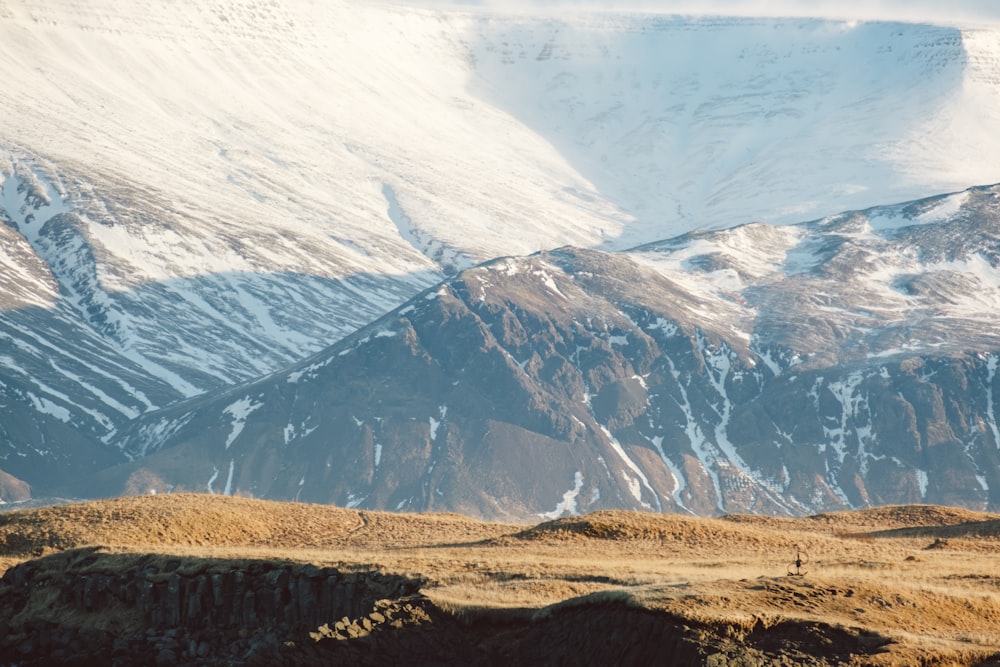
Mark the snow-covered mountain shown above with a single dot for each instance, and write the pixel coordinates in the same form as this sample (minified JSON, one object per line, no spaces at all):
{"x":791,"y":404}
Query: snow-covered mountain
{"x":840,"y":363}
{"x":200,"y":194}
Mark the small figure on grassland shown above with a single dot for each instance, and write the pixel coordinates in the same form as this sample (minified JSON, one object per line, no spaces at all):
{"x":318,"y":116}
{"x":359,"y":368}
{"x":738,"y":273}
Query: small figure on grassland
{"x":801,"y":558}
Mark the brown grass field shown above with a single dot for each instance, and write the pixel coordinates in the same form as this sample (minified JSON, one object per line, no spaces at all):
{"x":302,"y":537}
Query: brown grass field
{"x":923,"y":580}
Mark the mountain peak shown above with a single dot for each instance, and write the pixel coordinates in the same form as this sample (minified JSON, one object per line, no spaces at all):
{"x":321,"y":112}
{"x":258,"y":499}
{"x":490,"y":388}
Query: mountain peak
{"x":253,"y":250}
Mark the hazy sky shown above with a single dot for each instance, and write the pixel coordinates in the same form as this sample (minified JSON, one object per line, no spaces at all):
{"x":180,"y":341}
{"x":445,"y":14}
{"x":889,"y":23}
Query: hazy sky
{"x":937,"y":11}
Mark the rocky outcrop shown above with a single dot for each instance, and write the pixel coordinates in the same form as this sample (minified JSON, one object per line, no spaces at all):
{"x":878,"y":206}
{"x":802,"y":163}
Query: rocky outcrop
{"x":84,"y":607}
{"x":139,"y":609}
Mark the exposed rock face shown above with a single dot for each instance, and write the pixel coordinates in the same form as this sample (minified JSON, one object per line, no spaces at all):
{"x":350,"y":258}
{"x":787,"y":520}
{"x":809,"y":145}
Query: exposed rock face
{"x":201,"y":611}
{"x":250,"y":595}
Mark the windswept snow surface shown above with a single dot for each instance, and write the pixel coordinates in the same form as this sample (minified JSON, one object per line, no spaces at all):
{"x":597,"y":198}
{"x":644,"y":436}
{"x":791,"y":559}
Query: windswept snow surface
{"x":322,"y":123}
{"x":956,"y":12}
{"x":693,"y":123}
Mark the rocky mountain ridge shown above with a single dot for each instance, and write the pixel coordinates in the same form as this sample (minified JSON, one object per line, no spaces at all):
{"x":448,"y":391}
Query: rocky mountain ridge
{"x":575,"y":380}
{"x":195,"y":197}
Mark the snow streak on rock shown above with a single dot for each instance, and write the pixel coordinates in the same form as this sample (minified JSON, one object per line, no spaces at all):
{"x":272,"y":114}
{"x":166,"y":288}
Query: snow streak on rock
{"x":568,"y":503}
{"x":239,"y":411}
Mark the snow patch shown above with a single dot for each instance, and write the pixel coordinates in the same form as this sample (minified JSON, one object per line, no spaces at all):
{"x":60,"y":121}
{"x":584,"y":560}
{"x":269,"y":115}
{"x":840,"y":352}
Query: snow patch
{"x":568,"y":503}
{"x":851,"y":402}
{"x":700,"y":445}
{"x":548,"y":281}
{"x":769,"y":361}
{"x":680,"y":483}
{"x":239,"y":411}
{"x":922,"y":482}
{"x":295,"y":376}
{"x":228,"y":491}
{"x":893,"y":218}
{"x":211,"y":480}
{"x":45,"y":406}
{"x":667,"y":328}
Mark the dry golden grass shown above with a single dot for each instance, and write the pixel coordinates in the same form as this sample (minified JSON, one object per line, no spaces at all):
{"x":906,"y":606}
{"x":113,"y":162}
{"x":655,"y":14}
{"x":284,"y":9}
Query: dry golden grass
{"x":872,"y":569}
{"x":217,"y":521}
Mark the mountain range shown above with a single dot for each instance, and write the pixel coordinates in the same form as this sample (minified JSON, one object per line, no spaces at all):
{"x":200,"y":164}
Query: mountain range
{"x":495,"y":263}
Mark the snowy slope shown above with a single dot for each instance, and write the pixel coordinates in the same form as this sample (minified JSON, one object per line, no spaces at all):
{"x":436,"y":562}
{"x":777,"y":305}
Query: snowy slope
{"x":706,"y":123}
{"x":917,"y":278}
{"x":354,"y":118}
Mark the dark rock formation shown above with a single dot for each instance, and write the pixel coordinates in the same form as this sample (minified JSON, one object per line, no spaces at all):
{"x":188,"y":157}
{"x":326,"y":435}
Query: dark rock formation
{"x":200,"y":611}
{"x":85,"y":607}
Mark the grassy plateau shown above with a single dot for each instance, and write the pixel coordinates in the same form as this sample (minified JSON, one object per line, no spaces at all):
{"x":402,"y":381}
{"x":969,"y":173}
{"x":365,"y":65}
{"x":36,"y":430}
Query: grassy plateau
{"x":922,"y":582}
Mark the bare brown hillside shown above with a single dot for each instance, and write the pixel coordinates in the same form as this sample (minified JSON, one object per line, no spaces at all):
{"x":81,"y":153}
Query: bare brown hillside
{"x":290,"y":583}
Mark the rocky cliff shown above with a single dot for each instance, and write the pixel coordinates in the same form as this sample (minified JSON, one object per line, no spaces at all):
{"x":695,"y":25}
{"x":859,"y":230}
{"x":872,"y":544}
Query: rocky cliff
{"x":84,"y":607}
